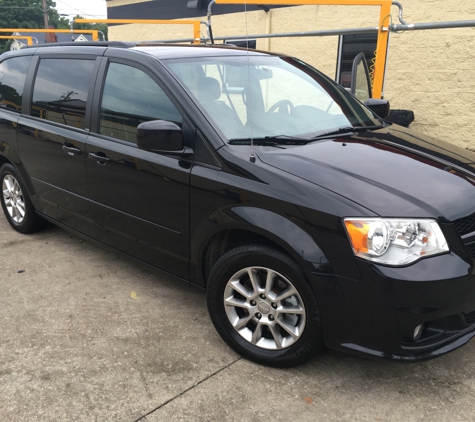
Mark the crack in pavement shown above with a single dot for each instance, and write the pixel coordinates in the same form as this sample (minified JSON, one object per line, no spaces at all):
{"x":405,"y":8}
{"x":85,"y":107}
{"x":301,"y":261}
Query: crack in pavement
{"x":188,"y":389}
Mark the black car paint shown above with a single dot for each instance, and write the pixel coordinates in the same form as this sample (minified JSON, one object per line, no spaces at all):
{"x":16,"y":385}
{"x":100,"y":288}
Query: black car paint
{"x":294,"y":197}
{"x":352,"y":167}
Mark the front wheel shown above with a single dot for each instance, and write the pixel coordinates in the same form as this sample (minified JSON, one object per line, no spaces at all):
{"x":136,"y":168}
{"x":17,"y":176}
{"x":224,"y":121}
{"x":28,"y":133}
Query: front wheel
{"x":262,"y":306}
{"x":16,"y":203}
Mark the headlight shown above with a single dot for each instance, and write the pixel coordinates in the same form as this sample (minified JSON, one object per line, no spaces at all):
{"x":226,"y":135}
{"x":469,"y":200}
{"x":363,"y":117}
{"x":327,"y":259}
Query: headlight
{"x":395,"y":241}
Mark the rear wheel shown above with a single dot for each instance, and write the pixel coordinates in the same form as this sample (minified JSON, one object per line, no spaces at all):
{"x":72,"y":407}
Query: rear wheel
{"x":262,"y":306}
{"x":16,"y":203}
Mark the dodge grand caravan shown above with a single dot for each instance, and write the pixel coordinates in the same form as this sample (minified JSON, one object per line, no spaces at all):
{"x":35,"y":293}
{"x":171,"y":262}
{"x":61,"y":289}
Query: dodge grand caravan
{"x":308,"y":219}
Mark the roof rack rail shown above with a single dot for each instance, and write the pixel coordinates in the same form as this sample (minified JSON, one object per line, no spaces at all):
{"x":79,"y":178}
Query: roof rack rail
{"x":117,"y":44}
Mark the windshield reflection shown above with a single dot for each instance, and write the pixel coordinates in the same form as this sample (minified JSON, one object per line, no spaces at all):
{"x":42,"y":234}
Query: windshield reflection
{"x":259,"y":96}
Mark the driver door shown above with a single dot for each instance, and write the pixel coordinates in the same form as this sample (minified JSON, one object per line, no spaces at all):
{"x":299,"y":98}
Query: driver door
{"x":139,"y":199}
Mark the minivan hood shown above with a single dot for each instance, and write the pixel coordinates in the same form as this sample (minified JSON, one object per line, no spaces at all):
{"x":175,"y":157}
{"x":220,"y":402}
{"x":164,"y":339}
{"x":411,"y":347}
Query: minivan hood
{"x":393,"y":172}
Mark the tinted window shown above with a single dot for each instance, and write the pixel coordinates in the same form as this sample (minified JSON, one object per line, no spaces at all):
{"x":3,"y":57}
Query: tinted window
{"x":131,"y":97}
{"x":60,"y":92}
{"x":12,"y":81}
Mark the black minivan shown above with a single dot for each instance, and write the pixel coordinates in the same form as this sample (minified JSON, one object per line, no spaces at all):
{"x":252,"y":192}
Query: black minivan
{"x":308,"y":219}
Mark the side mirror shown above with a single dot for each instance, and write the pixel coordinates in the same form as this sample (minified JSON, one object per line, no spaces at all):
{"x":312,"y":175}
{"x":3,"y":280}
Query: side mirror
{"x":162,"y":137}
{"x":379,"y":107}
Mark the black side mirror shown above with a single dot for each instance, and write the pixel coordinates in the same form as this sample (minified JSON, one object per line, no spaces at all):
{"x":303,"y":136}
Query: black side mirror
{"x":162,"y":137}
{"x":379,"y":107}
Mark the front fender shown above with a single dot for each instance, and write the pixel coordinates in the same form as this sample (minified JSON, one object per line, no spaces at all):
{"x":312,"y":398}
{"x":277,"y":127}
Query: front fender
{"x":288,"y":235}
{"x":282,"y":231}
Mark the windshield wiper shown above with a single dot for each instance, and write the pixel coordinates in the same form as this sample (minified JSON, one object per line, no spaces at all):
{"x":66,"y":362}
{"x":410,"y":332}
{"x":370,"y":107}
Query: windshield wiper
{"x":347,"y":130}
{"x":271,"y":140}
{"x":294,"y":140}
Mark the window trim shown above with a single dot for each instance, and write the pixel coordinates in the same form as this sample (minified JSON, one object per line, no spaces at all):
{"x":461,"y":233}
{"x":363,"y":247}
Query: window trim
{"x":25,"y":85}
{"x":99,"y":91}
{"x":31,"y":80}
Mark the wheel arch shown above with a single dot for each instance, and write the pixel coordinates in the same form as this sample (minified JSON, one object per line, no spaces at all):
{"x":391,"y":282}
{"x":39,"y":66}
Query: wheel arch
{"x":4,"y":160}
{"x":9,"y":155}
{"x":258,"y":225}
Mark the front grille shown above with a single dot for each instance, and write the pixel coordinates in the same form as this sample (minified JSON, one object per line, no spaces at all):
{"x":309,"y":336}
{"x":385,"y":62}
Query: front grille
{"x":465,"y":225}
{"x":470,"y":317}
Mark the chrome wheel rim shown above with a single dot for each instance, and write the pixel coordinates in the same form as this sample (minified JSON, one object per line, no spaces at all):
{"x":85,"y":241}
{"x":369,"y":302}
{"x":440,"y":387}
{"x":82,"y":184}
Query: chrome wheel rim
{"x":264,"y":308}
{"x":13,"y":198}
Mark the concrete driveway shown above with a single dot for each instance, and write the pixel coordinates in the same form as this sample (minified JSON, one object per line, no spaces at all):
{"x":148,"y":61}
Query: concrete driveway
{"x":87,"y":336}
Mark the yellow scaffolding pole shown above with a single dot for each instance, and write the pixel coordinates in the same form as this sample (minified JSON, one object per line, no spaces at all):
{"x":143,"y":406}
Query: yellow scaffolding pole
{"x":93,"y":32}
{"x":196,"y":24}
{"x":29,"y":40}
{"x":383,"y":31}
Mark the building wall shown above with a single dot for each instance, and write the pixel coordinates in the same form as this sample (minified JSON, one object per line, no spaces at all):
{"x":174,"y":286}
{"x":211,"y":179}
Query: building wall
{"x":431,"y":72}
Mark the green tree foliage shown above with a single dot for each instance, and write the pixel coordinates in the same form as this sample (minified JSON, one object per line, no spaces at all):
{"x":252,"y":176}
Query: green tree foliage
{"x":11,"y":96}
{"x":98,"y":26}
{"x":27,"y":14}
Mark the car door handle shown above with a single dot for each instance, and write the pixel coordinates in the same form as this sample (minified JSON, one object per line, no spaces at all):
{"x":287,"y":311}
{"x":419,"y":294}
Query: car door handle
{"x":71,"y":150}
{"x":101,"y":159}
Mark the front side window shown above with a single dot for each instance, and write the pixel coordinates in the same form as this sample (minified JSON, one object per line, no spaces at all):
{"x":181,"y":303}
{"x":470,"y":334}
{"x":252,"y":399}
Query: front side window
{"x":12,"y":82}
{"x":131,"y":97}
{"x":60,"y":92}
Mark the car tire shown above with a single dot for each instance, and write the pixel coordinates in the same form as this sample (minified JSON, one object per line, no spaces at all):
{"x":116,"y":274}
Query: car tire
{"x":263,"y":307}
{"x":16,"y":203}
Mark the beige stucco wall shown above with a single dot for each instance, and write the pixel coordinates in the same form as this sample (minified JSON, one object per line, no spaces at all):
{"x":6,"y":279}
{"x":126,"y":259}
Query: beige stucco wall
{"x":431,"y":72}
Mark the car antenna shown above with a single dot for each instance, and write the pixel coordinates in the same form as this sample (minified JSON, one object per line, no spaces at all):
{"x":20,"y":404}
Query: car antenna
{"x":252,"y":158}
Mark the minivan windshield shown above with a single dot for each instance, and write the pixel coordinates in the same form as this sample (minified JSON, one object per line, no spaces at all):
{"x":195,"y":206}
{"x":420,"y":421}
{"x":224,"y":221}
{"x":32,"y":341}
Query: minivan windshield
{"x":258,"y":96}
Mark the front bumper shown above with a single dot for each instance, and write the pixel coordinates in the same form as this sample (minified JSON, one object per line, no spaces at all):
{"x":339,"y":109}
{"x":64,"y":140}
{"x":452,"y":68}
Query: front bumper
{"x":376,"y":315}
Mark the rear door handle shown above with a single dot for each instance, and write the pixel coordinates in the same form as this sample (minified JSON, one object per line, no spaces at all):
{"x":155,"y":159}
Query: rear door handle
{"x":72,"y":150}
{"x":101,"y":159}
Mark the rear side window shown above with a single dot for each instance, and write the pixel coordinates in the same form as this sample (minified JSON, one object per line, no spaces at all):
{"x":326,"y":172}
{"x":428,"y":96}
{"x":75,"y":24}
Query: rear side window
{"x":12,"y":82}
{"x":132,"y":97}
{"x":60,"y":92}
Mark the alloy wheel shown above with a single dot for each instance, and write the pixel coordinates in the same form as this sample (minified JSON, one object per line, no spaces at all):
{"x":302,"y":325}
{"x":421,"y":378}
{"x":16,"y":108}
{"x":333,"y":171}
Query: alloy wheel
{"x":13,"y":198}
{"x":265,"y":308}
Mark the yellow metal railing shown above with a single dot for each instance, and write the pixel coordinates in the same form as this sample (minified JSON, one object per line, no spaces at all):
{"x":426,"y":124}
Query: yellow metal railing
{"x":383,"y":31}
{"x":29,"y":40}
{"x":93,"y":32}
{"x":196,"y":24}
